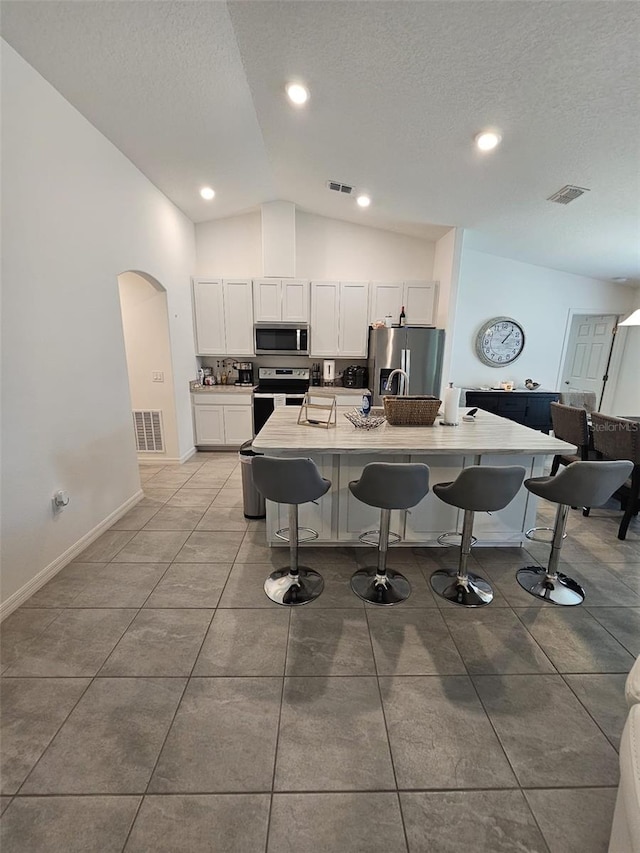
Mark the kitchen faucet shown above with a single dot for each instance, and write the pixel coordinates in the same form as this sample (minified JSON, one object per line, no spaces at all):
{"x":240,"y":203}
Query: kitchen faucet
{"x":403,"y":390}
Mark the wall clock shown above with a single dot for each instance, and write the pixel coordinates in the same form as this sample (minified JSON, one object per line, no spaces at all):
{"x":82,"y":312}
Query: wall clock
{"x":499,"y":341}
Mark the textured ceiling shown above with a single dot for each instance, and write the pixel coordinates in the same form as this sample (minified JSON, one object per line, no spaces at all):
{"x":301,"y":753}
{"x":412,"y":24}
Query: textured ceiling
{"x":192,"y":93}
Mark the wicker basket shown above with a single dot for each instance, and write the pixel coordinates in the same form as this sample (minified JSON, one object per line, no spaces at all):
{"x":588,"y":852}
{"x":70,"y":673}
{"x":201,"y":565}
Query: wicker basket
{"x":411,"y":411}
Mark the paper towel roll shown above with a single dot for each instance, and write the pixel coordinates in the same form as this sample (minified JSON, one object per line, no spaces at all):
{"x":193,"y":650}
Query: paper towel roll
{"x":451,"y":403}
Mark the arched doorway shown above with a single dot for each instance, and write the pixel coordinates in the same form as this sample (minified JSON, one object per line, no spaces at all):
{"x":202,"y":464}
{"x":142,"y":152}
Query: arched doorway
{"x":145,"y":324}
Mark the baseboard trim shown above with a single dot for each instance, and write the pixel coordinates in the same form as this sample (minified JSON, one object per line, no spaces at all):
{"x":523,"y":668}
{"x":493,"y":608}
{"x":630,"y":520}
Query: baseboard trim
{"x":21,"y":595}
{"x":157,"y":459}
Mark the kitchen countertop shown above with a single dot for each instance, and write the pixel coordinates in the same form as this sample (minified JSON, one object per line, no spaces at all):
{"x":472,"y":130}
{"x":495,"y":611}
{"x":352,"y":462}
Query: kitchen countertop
{"x":337,"y":391}
{"x":487,"y":434}
{"x":223,"y":389}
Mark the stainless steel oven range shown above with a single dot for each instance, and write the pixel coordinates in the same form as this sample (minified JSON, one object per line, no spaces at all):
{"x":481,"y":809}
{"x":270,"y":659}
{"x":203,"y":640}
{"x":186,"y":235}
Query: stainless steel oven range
{"x":278,"y":386}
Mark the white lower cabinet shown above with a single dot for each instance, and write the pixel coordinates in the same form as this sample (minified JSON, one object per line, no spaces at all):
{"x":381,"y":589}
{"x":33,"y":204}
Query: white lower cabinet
{"x":225,"y":420}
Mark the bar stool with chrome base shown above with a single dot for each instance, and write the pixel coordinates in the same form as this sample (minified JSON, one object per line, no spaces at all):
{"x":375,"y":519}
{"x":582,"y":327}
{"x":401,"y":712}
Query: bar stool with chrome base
{"x":579,"y":484}
{"x":293,"y":482}
{"x":387,"y":486}
{"x":479,"y":488}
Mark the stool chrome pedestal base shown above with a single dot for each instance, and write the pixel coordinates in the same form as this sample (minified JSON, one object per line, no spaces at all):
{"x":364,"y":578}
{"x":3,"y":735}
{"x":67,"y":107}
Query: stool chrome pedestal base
{"x":283,"y":587}
{"x":556,"y":588}
{"x":470,"y":590}
{"x":384,"y":589}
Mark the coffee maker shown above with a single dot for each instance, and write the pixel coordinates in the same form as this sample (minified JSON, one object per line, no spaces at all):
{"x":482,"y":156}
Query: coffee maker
{"x":245,"y":373}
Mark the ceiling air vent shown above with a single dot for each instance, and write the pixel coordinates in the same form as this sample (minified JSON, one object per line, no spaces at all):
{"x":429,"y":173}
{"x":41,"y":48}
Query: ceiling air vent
{"x":567,"y":194}
{"x":337,"y":187}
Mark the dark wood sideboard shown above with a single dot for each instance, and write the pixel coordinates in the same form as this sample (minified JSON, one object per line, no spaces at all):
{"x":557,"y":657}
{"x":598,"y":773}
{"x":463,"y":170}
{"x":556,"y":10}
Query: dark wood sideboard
{"x":530,"y":408}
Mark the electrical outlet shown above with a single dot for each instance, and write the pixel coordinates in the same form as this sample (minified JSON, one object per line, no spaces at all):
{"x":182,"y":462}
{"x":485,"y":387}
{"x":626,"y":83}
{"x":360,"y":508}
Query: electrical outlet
{"x":157,"y":376}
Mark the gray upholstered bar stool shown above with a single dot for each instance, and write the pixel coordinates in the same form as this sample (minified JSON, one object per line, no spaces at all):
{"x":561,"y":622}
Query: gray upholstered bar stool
{"x":579,"y":484}
{"x":293,"y":482}
{"x":386,"y":485}
{"x":479,"y":488}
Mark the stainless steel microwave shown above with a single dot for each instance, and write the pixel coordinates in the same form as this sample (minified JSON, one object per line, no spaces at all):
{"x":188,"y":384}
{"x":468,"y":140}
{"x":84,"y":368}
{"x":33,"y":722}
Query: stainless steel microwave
{"x":281,"y":338}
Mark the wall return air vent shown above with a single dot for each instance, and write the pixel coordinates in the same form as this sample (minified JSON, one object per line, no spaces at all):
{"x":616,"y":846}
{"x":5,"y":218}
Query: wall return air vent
{"x":337,"y":187}
{"x":147,"y":426}
{"x":567,"y":194}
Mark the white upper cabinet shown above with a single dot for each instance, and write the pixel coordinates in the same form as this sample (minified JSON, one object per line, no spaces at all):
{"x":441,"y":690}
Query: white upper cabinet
{"x":420,"y":302}
{"x":223,"y":315}
{"x":353,"y":328}
{"x":339,"y":318}
{"x":418,"y":297}
{"x":281,"y":300}
{"x":325,"y":299}
{"x":208,"y":311}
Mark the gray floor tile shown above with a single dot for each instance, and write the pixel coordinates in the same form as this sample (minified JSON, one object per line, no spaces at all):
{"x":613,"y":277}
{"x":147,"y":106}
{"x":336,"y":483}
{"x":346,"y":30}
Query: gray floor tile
{"x":327,"y":642}
{"x":205,"y":547}
{"x":175,"y":518}
{"x":200,"y":498}
{"x":254,"y":549}
{"x":76,"y":644}
{"x":548,"y":736}
{"x":477,"y":821}
{"x":332,"y":736}
{"x":603,"y":588}
{"x":224,"y":823}
{"x":58,"y":592}
{"x":111,"y":740}
{"x":206,"y":481}
{"x":223,"y":518}
{"x":245,"y":586}
{"x":603,"y":697}
{"x":574,"y":821}
{"x":494,"y":641}
{"x":106,"y":546}
{"x":574,"y":640}
{"x":628,"y":573}
{"x":412,"y":642}
{"x":440,"y":735}
{"x":336,"y":823}
{"x":159,"y":642}
{"x":228,"y":497}
{"x":223,"y":738}
{"x":4,"y":803}
{"x":503,"y":580}
{"x":337,"y":592}
{"x":245,"y":642}
{"x":622,"y":623}
{"x":156,"y":495}
{"x":31,"y":712}
{"x":190,"y":585}
{"x":137,"y":517}
{"x":120,"y":585}
{"x":168,"y":478}
{"x":69,"y":824}
{"x":19,"y":628}
{"x":152,"y":546}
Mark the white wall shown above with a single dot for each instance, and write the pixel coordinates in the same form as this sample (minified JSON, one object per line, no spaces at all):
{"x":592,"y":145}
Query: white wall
{"x":537,"y":297}
{"x":75,"y":214}
{"x":231,"y":247}
{"x":146,"y":339}
{"x":325,"y":249}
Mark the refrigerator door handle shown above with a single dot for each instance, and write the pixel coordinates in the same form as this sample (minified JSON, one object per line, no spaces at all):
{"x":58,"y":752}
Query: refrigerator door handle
{"x":407,"y":361}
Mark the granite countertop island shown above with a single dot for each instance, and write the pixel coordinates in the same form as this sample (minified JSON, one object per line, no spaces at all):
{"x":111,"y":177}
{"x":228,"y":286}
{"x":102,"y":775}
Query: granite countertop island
{"x":488,"y":433}
{"x":342,"y":451}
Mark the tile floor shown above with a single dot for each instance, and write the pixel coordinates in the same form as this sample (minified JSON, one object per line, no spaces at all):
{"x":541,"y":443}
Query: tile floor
{"x":154,"y":699}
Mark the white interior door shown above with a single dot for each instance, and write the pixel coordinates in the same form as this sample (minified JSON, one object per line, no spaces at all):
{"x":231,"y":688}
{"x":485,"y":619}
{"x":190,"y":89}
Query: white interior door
{"x":587,"y":356}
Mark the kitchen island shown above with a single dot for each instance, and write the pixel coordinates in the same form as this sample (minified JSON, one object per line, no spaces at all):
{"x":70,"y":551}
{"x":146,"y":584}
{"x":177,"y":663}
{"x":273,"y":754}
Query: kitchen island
{"x":342,"y":451}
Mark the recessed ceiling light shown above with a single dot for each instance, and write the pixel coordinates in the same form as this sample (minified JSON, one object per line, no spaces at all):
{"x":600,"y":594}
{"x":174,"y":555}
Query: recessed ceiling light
{"x":487,"y":140}
{"x":363,"y":200}
{"x":298,"y":94}
{"x":207,"y":193}
{"x":620,"y":279}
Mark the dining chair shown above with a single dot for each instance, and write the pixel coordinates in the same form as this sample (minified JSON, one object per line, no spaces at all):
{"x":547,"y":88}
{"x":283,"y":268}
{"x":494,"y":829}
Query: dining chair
{"x":580,"y":399}
{"x":619,"y":438}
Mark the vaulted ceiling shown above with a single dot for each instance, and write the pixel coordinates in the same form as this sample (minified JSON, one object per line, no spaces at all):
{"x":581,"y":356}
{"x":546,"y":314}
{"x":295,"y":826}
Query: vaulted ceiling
{"x":193,"y":93}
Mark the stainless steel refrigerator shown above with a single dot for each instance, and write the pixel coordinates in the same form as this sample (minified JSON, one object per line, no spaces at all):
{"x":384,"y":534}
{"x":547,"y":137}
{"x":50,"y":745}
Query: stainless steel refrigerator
{"x":417,"y":351}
